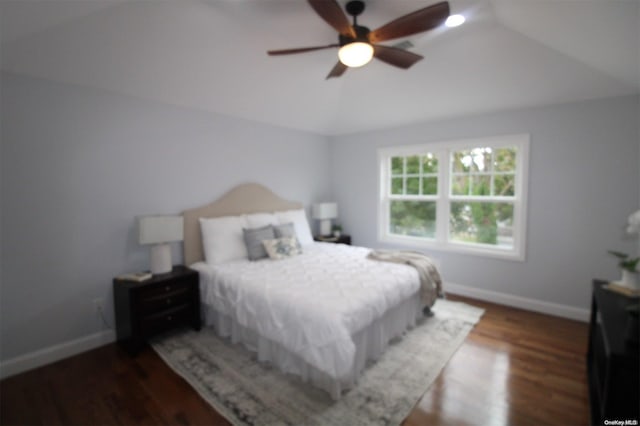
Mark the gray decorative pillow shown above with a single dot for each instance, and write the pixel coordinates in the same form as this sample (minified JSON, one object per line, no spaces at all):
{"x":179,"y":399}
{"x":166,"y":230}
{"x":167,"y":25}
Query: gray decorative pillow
{"x":253,"y":240}
{"x":281,"y":248}
{"x":287,"y":230}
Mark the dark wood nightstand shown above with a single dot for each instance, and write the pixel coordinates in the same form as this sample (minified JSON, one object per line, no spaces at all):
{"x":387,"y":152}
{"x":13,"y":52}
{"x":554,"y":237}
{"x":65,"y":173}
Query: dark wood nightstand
{"x":612,"y":359}
{"x":164,"y":301}
{"x":342,"y":239}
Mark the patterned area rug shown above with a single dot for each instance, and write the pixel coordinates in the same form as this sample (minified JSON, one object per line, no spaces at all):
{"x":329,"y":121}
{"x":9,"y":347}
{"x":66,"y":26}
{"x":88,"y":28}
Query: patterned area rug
{"x":250,"y":393}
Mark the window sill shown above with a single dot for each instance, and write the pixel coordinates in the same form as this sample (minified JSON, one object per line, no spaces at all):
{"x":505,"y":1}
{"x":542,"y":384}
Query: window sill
{"x":453,"y":247}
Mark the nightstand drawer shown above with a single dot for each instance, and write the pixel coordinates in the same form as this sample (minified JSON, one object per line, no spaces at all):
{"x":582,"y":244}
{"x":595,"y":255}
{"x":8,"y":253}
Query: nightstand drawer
{"x":165,"y":289}
{"x":163,"y":320}
{"x":154,"y":301}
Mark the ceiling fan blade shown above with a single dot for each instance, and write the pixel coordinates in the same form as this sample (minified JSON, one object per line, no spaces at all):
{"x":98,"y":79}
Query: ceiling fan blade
{"x":416,"y":22}
{"x":396,"y":57}
{"x":299,"y":50}
{"x":337,"y":71}
{"x":332,"y":13}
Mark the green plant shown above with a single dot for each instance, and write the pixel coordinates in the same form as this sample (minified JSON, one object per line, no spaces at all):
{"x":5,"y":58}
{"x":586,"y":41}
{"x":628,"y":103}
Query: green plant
{"x":626,"y":262}
{"x":336,"y":228}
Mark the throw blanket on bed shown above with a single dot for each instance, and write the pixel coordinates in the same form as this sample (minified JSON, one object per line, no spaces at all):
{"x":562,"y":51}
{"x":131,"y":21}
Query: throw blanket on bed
{"x":430,"y":281}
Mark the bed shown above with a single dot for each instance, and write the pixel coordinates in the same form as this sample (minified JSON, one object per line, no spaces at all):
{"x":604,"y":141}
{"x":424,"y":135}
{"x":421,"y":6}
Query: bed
{"x":321,"y":314}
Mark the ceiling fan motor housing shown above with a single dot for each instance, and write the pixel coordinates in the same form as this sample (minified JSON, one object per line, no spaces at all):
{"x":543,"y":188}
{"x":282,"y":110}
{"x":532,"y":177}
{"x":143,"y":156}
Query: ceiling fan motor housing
{"x":362,"y":35}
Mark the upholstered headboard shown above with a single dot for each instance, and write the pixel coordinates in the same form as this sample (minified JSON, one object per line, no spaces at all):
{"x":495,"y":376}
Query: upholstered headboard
{"x":243,"y":199}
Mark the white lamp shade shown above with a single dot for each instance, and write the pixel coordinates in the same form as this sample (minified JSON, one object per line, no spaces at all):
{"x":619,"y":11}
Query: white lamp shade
{"x":160,"y":229}
{"x":325,"y":211}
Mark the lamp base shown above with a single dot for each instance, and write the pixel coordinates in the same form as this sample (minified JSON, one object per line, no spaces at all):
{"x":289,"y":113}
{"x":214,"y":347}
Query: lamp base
{"x":325,"y":227}
{"x":630,"y":280}
{"x":161,"y":259}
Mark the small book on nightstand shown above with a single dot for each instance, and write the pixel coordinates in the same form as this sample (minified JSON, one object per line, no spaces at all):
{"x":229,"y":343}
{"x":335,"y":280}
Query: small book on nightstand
{"x":135,"y":276}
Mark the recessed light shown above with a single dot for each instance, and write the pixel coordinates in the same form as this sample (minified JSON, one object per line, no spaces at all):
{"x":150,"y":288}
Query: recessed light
{"x":454,"y":21}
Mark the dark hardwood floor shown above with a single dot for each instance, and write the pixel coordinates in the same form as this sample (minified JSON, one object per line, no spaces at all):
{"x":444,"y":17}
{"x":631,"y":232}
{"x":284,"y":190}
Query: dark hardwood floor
{"x":515,"y":368}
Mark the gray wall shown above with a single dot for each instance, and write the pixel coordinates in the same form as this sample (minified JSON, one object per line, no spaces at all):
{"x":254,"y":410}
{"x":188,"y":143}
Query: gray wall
{"x":583,"y":184}
{"x":78,"y":165}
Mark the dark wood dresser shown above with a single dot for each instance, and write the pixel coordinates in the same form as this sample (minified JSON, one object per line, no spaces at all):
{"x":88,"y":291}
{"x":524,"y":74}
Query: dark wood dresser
{"x":146,"y":308}
{"x":612,"y":359}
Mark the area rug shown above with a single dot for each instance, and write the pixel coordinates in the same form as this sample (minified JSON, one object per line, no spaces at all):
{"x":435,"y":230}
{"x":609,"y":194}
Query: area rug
{"x":250,"y":393}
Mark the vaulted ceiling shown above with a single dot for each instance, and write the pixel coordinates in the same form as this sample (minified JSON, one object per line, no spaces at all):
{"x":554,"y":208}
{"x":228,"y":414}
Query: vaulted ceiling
{"x":211,"y":55}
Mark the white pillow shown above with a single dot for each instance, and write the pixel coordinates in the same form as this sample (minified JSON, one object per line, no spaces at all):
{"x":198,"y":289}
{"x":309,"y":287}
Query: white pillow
{"x":222,"y":238}
{"x":299,"y":220}
{"x":260,"y":220}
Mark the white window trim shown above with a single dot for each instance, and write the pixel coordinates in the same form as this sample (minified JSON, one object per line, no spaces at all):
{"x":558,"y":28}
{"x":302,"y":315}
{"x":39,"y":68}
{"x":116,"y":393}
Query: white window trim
{"x":440,"y":242}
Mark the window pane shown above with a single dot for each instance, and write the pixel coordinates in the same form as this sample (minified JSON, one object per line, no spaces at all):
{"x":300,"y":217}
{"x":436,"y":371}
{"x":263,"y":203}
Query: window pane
{"x":413,"y":165}
{"x":460,"y":185}
{"x":476,"y":160}
{"x":481,"y":185}
{"x":461,"y":161}
{"x":413,"y":186}
{"x":481,"y":159}
{"x":397,"y":165}
{"x":414,"y":218}
{"x":505,"y":159}
{"x":479,"y":222}
{"x":429,"y":164}
{"x":504,"y":185}
{"x":430,"y":186}
{"x":396,"y":186}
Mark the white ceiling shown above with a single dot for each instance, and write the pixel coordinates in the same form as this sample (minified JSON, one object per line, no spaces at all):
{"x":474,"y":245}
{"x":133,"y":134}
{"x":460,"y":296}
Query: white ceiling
{"x":211,"y":55}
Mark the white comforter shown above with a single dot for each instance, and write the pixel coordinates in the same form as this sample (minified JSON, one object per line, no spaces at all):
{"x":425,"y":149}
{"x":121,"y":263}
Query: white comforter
{"x":310,"y":304}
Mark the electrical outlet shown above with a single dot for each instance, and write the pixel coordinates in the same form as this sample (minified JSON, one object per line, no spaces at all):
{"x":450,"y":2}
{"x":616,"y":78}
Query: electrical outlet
{"x":97,"y":305}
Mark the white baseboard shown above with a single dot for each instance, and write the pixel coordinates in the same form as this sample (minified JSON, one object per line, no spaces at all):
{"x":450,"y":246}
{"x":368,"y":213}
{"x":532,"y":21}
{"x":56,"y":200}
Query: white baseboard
{"x":535,"y":305}
{"x":54,"y":353}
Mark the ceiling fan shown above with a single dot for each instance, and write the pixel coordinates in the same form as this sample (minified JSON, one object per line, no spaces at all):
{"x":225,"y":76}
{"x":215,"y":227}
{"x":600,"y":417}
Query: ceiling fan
{"x":358,"y":44}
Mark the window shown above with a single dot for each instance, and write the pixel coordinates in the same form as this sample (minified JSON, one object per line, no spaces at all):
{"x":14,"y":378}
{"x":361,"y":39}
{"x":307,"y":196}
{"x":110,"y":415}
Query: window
{"x":467,"y":196}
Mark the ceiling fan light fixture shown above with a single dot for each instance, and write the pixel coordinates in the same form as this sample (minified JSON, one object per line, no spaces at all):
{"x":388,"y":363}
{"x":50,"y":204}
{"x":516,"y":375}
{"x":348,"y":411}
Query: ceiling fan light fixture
{"x":355,"y":54}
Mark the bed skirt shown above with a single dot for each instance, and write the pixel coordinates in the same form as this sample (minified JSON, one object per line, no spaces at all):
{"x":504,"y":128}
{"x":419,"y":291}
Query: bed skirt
{"x":370,"y":343}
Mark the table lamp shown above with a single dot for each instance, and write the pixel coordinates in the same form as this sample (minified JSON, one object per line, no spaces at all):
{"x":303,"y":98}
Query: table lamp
{"x":160,"y":231}
{"x":324,"y":212}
